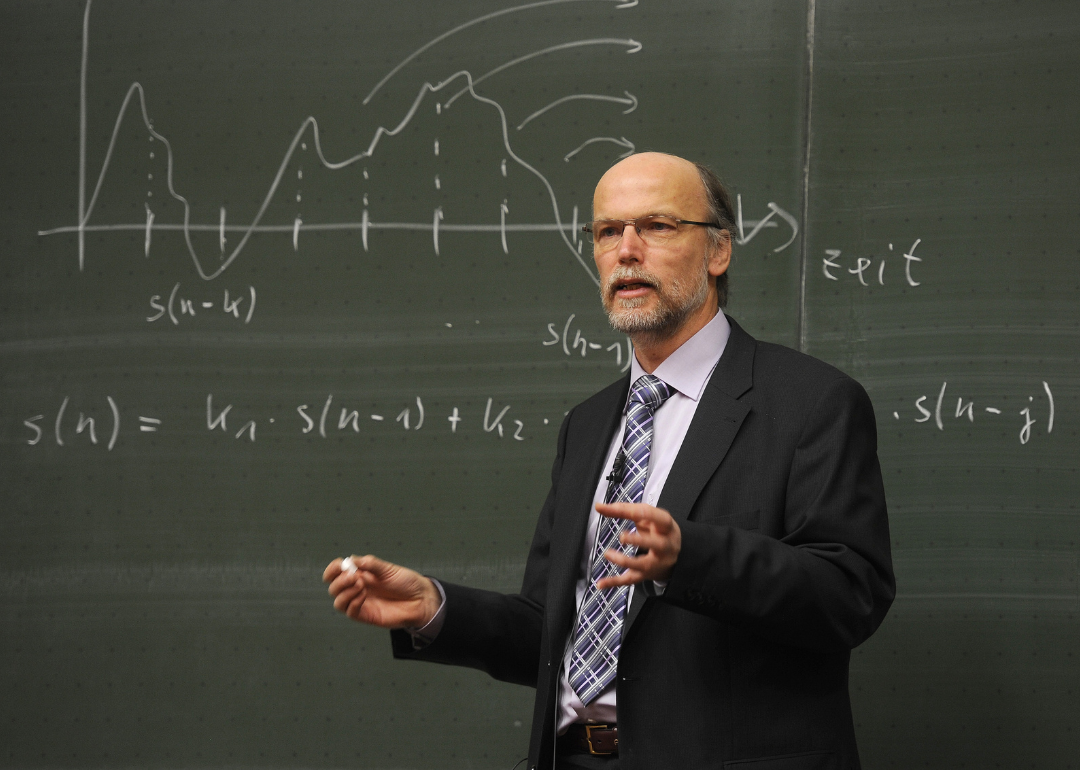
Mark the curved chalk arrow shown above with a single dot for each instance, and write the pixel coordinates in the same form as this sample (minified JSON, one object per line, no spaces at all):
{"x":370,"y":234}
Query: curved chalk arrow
{"x":630,"y":99}
{"x":471,"y":23}
{"x":622,"y":141}
{"x":633,"y":47}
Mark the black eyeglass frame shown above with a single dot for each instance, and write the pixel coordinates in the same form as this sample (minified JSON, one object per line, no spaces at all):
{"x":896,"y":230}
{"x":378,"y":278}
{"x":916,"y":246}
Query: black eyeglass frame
{"x":588,"y":228}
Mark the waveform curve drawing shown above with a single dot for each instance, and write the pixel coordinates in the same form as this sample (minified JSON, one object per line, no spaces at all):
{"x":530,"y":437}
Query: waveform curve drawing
{"x":462,"y":82}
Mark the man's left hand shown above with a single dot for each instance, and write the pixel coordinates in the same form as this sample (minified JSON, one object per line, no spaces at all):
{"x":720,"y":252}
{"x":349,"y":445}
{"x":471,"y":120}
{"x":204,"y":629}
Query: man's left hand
{"x":657,"y":538}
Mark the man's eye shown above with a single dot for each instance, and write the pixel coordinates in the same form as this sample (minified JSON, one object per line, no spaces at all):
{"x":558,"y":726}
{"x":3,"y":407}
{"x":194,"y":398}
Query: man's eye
{"x":659,"y":225}
{"x":608,"y":231}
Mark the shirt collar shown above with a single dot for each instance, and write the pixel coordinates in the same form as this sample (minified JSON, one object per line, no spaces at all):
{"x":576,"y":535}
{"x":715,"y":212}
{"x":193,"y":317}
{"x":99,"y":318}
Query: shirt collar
{"x":688,"y":369}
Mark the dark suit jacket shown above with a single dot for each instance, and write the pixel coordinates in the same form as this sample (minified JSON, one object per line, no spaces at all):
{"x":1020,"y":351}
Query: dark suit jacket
{"x":784,"y":568}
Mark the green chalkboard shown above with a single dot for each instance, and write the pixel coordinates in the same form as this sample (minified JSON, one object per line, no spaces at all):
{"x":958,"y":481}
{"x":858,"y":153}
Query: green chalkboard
{"x":279,"y":285}
{"x":943,"y":140}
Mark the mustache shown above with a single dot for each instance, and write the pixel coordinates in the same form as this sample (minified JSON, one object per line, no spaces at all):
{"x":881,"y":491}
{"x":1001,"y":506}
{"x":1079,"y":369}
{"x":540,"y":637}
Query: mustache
{"x":628,"y":274}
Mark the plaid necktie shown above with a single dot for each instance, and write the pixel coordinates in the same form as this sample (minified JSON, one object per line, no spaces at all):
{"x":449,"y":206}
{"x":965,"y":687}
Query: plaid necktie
{"x":598,"y":633}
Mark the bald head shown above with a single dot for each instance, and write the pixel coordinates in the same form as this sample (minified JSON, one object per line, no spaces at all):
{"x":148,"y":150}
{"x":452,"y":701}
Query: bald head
{"x":652,"y":179}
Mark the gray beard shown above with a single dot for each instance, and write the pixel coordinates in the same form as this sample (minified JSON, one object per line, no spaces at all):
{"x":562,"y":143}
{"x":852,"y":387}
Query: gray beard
{"x":675,"y":303}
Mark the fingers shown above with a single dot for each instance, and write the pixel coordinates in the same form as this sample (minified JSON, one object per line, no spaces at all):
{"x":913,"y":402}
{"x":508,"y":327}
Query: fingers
{"x":344,"y":598}
{"x":634,"y":569}
{"x":381,"y":569}
{"x":356,"y":605}
{"x":333,"y":569}
{"x":626,"y":578}
{"x":343,"y":580}
{"x":350,"y":599}
{"x":643,"y":563}
{"x":639,"y":513}
{"x":646,"y":540}
{"x":341,"y":573}
{"x":656,"y":538}
{"x":350,"y":564}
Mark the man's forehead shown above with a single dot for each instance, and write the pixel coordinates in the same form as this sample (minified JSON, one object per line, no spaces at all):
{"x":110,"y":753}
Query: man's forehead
{"x":648,"y":178}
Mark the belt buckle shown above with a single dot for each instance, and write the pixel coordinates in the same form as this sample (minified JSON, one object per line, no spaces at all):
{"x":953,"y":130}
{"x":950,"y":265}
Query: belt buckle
{"x":588,"y":739}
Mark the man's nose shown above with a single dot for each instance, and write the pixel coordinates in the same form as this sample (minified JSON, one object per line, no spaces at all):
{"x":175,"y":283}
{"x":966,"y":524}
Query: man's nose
{"x":631,"y":244}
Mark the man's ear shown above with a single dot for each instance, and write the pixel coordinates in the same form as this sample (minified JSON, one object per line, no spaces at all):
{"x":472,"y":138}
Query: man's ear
{"x":720,"y":257}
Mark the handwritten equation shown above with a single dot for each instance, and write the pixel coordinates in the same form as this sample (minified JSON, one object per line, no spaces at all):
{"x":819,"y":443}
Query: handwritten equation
{"x":176,"y":307}
{"x":835,"y":267}
{"x":942,"y":411}
{"x":579,"y":344}
{"x":102,"y":427}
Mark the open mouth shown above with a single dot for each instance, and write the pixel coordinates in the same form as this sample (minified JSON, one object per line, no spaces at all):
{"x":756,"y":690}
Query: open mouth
{"x":628,"y":283}
{"x":631,"y":287}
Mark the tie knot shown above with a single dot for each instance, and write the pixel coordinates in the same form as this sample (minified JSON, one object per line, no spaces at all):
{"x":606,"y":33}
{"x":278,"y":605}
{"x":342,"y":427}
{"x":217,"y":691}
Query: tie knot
{"x":650,"y":392}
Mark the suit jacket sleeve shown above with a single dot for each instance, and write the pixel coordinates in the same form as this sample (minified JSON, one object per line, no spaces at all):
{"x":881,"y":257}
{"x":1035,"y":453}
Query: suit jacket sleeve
{"x":818,"y":574}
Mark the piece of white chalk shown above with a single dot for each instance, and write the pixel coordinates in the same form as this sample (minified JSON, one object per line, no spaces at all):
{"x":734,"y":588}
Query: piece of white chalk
{"x":348,"y":565}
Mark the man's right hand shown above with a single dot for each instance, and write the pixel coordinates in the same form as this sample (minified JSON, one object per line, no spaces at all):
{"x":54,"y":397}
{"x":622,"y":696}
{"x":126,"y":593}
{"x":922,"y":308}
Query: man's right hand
{"x":382,"y":594}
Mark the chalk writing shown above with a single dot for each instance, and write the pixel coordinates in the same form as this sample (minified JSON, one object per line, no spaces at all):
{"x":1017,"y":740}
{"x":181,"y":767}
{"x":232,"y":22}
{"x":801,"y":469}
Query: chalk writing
{"x":630,"y":100}
{"x":756,"y":226}
{"x":213,"y":422}
{"x":834,"y":267}
{"x":176,"y":307}
{"x":461,"y":83}
{"x":84,"y":424}
{"x":622,"y":141}
{"x":967,"y":410}
{"x":91,"y":427}
{"x":579,"y":344}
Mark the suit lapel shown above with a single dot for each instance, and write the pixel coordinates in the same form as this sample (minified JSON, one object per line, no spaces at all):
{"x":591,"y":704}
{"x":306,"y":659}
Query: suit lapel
{"x":716,"y":422}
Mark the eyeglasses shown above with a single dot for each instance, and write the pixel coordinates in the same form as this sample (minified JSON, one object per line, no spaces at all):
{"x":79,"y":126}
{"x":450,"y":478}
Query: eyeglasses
{"x":654,"y":229}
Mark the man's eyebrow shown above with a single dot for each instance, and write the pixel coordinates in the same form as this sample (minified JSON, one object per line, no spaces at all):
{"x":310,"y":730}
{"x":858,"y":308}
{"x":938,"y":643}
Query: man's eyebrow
{"x":641,"y":216}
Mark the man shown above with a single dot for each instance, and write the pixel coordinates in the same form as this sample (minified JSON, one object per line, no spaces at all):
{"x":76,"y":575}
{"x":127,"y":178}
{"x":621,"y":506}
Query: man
{"x":703,"y":617}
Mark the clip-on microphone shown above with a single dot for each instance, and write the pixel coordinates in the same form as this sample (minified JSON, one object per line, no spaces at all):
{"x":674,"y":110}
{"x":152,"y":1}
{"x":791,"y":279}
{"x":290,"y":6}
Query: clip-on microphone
{"x":617,"y":469}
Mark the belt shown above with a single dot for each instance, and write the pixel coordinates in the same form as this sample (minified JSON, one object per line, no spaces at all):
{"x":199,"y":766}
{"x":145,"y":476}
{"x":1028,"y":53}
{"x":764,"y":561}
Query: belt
{"x":598,"y":740}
